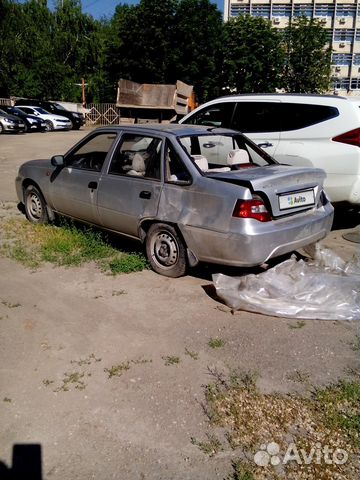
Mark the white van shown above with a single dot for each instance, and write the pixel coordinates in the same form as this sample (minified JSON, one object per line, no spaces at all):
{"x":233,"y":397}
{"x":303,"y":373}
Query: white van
{"x":314,"y":130}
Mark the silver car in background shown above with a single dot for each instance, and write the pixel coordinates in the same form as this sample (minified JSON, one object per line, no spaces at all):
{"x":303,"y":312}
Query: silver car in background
{"x":166,"y":186}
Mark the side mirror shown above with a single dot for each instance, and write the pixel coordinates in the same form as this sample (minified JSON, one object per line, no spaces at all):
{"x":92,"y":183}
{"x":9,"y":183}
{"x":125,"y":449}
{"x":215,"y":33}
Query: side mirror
{"x":58,"y":161}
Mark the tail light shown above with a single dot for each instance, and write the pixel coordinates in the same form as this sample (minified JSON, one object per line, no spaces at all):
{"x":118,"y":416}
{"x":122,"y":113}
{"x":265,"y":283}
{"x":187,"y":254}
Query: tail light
{"x":351,"y":138}
{"x":251,"y":209}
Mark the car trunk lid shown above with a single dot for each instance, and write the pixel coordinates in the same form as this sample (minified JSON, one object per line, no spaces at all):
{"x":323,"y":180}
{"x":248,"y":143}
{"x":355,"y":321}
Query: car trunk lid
{"x":286,"y":190}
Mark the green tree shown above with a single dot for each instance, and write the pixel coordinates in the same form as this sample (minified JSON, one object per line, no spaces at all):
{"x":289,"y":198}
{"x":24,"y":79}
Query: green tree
{"x":77,"y":43}
{"x":138,"y":44}
{"x":308,"y":59}
{"x":252,"y":59}
{"x":196,"y":43}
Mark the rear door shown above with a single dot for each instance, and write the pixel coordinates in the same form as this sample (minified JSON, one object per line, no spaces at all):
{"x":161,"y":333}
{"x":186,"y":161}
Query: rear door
{"x":130,"y":190}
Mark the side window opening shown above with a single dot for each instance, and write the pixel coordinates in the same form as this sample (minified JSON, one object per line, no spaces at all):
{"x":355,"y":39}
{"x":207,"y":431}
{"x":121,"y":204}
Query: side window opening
{"x":175,"y":170}
{"x":137,"y":155}
{"x":300,"y":115}
{"x":257,"y":117}
{"x":218,"y":115}
{"x":91,"y":155}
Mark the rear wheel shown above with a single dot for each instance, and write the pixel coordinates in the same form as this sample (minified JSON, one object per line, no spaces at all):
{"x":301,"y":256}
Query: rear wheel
{"x":35,"y":205}
{"x":166,"y":251}
{"x":49,"y":126}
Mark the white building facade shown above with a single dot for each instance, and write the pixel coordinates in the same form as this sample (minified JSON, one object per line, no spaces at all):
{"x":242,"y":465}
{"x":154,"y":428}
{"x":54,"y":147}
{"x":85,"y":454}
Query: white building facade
{"x":340,"y":18}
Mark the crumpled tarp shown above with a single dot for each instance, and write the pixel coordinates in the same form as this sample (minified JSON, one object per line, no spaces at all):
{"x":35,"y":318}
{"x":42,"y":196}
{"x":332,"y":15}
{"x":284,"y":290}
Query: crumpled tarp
{"x":324,"y":287}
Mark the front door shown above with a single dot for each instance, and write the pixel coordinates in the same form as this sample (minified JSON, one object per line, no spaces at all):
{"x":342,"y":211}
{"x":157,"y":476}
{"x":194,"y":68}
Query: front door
{"x":74,"y":187}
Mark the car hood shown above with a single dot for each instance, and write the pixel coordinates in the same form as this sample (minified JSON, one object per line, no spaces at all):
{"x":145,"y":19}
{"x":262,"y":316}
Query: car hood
{"x":274,"y":181}
{"x":12,"y":117}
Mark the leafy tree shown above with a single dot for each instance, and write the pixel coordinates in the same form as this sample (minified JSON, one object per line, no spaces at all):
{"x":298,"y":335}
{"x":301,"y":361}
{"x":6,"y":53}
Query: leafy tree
{"x":252,"y":59}
{"x":77,"y":44}
{"x":138,"y":45}
{"x":308,"y":60}
{"x":196,"y":44}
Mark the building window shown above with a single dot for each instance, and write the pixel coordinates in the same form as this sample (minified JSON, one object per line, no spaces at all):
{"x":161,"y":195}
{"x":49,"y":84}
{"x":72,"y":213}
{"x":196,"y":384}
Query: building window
{"x":237,"y":10}
{"x":344,"y":35}
{"x":357,"y":59}
{"x":303,"y":11}
{"x":324,"y":10}
{"x":343,"y":59}
{"x":345,"y":10}
{"x":341,"y":84}
{"x":357,"y":36}
{"x":281,"y":10}
{"x":355,"y":84}
{"x":261,"y":11}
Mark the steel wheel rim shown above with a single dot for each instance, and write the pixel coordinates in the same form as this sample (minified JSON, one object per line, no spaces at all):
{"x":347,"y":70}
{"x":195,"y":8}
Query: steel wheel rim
{"x":165,"y":250}
{"x":34,"y":206}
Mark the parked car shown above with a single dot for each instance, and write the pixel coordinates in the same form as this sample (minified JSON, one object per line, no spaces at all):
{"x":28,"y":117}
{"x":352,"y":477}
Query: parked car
{"x":321,"y":131}
{"x":77,"y":119}
{"x":157,"y":184}
{"x":52,"y":121}
{"x":10,"y":123}
{"x":32,"y":123}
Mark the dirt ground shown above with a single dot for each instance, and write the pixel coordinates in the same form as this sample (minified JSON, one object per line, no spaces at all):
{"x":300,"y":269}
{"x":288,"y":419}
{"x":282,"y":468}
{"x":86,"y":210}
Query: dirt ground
{"x":62,"y":331}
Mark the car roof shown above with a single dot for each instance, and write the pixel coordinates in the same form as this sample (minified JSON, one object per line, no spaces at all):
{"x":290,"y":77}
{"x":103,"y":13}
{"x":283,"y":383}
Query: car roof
{"x":289,"y":96}
{"x":171,"y":129}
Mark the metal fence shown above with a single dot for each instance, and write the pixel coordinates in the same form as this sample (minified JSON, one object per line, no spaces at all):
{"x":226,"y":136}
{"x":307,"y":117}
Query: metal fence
{"x":102,"y":114}
{"x":5,"y":101}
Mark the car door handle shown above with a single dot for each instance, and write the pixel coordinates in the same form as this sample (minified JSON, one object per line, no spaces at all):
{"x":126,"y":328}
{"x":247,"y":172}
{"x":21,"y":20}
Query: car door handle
{"x":265,"y":145}
{"x":209,"y":145}
{"x":93,"y":185}
{"x":145,"y":194}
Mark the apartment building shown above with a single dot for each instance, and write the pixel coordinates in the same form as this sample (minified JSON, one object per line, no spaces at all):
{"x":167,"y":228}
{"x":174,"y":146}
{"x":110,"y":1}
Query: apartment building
{"x":341,"y":19}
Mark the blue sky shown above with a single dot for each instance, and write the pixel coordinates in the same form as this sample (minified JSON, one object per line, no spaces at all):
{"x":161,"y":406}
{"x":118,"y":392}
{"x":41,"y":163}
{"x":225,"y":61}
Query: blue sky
{"x":99,"y":8}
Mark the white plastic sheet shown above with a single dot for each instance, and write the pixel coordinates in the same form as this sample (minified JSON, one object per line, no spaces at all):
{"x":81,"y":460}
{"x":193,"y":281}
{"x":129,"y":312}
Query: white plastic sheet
{"x":325,"y":288}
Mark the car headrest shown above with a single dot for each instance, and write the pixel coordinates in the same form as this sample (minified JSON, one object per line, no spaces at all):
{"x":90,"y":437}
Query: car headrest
{"x":237,"y":156}
{"x":138,"y":163}
{"x":201,"y":162}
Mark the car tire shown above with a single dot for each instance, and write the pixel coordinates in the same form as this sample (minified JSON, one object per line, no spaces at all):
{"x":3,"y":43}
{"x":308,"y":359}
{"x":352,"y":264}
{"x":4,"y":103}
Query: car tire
{"x":35,"y":205}
{"x":1,"y":128}
{"x":166,"y":251}
{"x":49,"y":126}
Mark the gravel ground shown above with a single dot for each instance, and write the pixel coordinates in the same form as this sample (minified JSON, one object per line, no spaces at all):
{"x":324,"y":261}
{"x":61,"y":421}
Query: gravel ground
{"x":63,"y":330}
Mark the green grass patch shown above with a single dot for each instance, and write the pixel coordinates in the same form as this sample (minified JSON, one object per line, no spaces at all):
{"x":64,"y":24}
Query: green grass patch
{"x":119,"y":369}
{"x":171,"y":360}
{"x":216,"y":343}
{"x":67,"y":245}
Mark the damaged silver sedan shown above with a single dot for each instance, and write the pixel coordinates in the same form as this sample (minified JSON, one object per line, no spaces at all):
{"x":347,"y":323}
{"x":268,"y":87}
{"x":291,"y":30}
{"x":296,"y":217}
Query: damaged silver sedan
{"x":173,"y":188}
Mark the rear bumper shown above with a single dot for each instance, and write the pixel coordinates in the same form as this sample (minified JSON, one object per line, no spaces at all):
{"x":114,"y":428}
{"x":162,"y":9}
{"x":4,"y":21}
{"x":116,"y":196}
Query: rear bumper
{"x":250,"y":242}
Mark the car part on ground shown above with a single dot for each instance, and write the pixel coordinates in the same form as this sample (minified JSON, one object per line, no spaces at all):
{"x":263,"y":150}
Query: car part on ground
{"x":310,"y":130}
{"x":166,"y":186}
{"x":324,"y":289}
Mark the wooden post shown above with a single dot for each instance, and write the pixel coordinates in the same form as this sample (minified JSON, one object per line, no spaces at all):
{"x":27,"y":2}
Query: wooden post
{"x":83,"y":92}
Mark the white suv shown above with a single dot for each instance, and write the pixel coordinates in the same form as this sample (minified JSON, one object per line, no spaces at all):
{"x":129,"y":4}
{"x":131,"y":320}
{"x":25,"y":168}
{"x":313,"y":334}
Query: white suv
{"x":313,"y":130}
